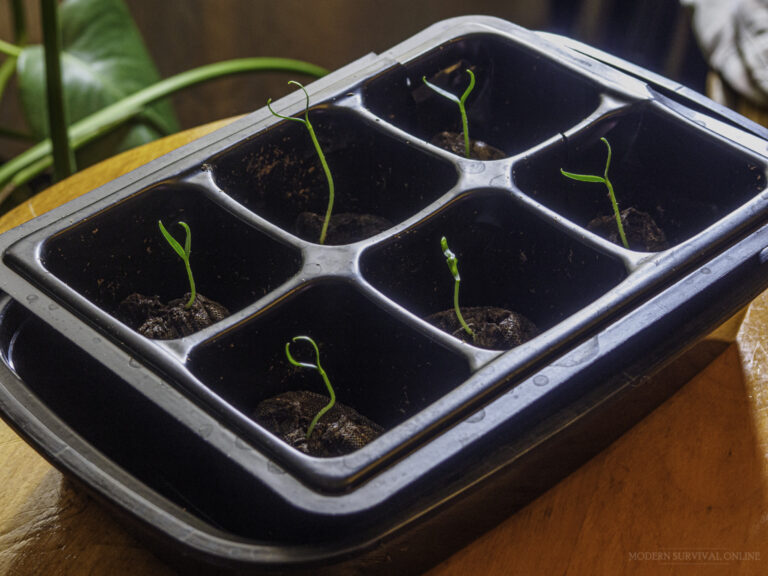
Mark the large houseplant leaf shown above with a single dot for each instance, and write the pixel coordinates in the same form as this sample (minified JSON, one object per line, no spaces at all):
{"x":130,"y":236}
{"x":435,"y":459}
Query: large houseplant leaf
{"x":103,"y":60}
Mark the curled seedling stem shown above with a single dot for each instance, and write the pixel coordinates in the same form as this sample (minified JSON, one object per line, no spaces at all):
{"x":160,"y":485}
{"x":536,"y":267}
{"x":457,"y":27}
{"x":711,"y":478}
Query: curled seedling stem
{"x":453,"y":266}
{"x":183,"y":254}
{"x":604,"y":179}
{"x":320,"y":154}
{"x":319,"y":368}
{"x":460,"y":102}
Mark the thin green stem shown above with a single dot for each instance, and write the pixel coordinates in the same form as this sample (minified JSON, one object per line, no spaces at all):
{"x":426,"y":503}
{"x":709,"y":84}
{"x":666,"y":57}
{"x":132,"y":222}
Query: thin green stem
{"x":319,"y":150}
{"x":612,"y":196}
{"x":463,"y":111}
{"x":105,"y":120}
{"x":63,"y":155}
{"x":457,"y":308}
{"x":10,"y":50}
{"x":329,"y":178}
{"x":453,"y":266}
{"x":322,"y":373}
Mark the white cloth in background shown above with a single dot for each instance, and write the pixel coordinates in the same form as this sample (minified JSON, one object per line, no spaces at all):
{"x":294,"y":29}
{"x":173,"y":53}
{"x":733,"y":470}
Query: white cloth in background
{"x":733,"y":35}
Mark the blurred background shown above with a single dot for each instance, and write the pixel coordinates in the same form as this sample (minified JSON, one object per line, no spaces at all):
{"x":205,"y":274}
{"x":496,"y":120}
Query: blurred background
{"x":182,"y":34}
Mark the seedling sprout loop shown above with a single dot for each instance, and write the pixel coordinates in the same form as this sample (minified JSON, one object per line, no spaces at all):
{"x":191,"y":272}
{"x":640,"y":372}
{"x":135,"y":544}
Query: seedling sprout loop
{"x":604,"y":179}
{"x":453,"y":266}
{"x":320,"y":154}
{"x":460,"y":102}
{"x":183,"y":254}
{"x":319,"y":368}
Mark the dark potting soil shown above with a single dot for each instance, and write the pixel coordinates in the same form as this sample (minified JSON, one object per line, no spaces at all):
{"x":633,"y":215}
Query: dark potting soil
{"x":344,"y":228}
{"x":152,"y":318}
{"x":339,"y":431}
{"x":640,"y":228}
{"x":478,"y":150}
{"x":494,"y":328}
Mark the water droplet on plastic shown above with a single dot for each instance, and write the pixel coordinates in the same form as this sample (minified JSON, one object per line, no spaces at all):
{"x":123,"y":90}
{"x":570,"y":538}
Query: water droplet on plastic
{"x":473,"y":167}
{"x":274,"y":468}
{"x":477,"y":416}
{"x":31,"y":298}
{"x":242,"y":444}
{"x":706,"y":270}
{"x":133,"y":363}
{"x":205,"y":430}
{"x":540,"y":380}
{"x":52,"y":306}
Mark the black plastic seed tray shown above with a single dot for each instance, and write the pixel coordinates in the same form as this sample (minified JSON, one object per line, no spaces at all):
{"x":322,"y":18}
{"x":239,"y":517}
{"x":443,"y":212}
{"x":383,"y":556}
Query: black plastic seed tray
{"x":164,"y":430}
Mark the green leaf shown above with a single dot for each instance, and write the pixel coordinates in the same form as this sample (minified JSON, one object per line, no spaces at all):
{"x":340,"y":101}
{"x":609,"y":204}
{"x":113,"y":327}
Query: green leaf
{"x":103,"y":61}
{"x":582,"y":177}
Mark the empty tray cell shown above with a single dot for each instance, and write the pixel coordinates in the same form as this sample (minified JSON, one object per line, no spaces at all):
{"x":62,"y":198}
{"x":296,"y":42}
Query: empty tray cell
{"x":520,"y":98}
{"x":378,"y":366}
{"x":507,"y":258}
{"x":134,"y":432}
{"x":120,"y":251}
{"x":684,"y":179}
{"x":381,"y":179}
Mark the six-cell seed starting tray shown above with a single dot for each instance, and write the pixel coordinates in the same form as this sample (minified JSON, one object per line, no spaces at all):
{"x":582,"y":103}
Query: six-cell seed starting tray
{"x":163,"y":431}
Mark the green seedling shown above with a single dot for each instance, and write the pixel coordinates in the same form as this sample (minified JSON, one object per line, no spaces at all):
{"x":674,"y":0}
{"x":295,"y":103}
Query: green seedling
{"x":453,"y":266}
{"x":183,"y":254}
{"x":319,"y":368}
{"x":460,"y":102}
{"x":604,"y":179}
{"x":320,"y":154}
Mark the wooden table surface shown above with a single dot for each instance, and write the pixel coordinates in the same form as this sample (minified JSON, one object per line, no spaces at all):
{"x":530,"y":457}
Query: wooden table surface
{"x":684,"y":492}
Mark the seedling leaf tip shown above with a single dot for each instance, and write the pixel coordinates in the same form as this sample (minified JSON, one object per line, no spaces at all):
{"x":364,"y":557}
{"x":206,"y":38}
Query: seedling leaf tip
{"x":319,"y":368}
{"x":183,"y":254}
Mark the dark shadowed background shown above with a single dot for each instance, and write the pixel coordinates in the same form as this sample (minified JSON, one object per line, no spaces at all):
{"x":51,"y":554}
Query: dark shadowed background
{"x":182,"y":34}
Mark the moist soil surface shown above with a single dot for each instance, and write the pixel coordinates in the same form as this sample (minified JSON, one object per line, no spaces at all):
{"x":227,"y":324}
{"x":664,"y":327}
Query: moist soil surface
{"x":640,"y":228}
{"x":494,"y":328}
{"x":478,"y":150}
{"x":339,"y":431}
{"x":152,"y":318}
{"x":344,"y":228}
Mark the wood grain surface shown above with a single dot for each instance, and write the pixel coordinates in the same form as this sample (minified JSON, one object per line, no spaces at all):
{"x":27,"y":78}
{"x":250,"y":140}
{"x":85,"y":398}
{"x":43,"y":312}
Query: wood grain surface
{"x":684,"y":492}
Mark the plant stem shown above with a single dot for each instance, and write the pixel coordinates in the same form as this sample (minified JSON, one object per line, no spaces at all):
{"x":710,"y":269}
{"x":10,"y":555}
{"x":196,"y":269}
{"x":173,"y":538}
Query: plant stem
{"x":108,"y":118}
{"x":328,"y":177}
{"x":63,"y":156}
{"x":453,"y":266}
{"x":612,"y":195}
{"x":456,"y":307}
{"x":463,"y":111}
{"x":10,"y":50}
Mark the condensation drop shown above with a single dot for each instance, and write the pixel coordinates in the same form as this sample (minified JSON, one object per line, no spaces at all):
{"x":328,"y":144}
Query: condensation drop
{"x":540,"y":380}
{"x":477,"y":416}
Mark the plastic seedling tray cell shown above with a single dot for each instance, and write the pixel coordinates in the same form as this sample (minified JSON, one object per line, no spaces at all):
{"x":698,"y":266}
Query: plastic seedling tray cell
{"x":684,"y":178}
{"x":166,"y":431}
{"x":279,"y":175}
